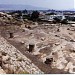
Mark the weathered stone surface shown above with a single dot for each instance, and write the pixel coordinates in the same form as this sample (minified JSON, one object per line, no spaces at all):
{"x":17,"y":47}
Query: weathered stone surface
{"x":16,"y":59}
{"x":5,"y":58}
{"x":2,"y":71}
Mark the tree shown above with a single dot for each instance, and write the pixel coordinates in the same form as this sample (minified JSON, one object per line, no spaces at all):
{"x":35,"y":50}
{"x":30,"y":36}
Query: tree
{"x":19,"y":14}
{"x":34,"y":15}
{"x":25,"y":11}
{"x":56,"y":20}
{"x":64,"y":21}
{"x":73,"y":19}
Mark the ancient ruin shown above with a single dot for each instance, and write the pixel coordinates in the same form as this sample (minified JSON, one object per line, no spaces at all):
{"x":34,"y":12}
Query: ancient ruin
{"x":36,"y":47}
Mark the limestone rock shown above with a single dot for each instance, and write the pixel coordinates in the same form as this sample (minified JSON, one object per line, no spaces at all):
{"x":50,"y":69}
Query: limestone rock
{"x":5,"y":58}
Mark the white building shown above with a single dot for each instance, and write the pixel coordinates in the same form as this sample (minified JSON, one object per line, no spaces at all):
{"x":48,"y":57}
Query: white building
{"x":51,"y":17}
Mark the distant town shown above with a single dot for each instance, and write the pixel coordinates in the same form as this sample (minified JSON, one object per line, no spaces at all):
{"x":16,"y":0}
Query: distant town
{"x":44,"y":15}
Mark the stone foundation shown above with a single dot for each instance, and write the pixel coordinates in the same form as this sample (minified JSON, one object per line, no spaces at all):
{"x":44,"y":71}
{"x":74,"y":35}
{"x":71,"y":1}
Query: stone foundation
{"x":17,"y":62}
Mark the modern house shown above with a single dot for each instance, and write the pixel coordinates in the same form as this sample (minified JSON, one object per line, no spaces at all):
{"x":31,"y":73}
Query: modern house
{"x":51,"y":17}
{"x":70,"y":16}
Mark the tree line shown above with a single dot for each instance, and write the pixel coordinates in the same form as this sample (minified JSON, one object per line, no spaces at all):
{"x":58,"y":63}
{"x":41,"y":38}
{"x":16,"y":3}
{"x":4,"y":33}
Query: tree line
{"x":34,"y":15}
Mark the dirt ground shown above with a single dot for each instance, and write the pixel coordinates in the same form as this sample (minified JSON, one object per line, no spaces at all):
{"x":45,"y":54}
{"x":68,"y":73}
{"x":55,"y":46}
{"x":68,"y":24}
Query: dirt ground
{"x":51,"y":41}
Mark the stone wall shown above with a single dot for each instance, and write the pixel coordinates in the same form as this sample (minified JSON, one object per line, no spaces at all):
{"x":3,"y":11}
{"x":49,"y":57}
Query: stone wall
{"x":14,"y":61}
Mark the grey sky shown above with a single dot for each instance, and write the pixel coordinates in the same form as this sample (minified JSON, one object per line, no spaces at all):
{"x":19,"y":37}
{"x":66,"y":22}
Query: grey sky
{"x":52,"y":4}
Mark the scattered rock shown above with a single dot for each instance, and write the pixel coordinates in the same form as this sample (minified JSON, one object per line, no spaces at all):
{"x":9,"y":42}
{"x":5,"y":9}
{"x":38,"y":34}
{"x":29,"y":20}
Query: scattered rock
{"x":2,"y":71}
{"x":5,"y":58}
{"x":49,"y":61}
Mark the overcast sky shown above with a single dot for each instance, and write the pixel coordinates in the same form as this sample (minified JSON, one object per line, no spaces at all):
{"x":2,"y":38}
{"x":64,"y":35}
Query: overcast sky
{"x":52,"y":4}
